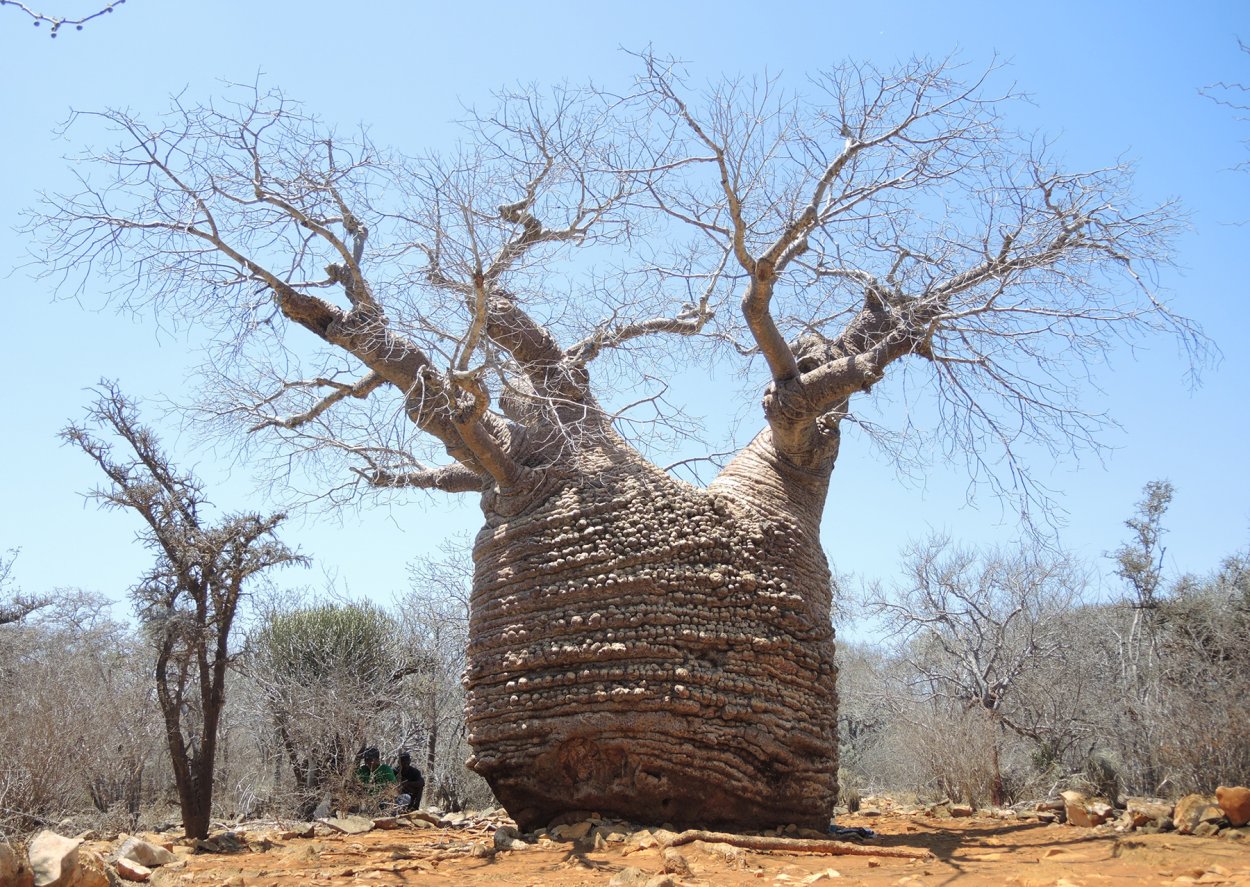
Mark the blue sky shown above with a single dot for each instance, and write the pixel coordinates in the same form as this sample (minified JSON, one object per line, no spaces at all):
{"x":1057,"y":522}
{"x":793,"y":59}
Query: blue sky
{"x":1108,"y":81}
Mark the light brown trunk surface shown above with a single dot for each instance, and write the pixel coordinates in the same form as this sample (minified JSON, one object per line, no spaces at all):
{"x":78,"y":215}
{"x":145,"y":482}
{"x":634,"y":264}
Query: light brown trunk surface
{"x":657,"y":652}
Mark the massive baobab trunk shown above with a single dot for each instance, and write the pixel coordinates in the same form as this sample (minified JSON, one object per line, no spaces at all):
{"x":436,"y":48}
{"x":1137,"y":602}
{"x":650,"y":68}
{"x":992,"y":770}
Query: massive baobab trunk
{"x":656,"y":651}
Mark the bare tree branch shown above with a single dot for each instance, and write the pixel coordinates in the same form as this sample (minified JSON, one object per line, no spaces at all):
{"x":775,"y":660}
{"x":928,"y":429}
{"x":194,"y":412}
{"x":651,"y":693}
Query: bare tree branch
{"x":56,"y":21}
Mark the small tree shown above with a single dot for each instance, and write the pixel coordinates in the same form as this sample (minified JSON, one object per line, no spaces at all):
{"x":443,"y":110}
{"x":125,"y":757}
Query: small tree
{"x":1204,"y":670}
{"x":14,"y":605}
{"x":332,"y":679}
{"x":1139,"y":562}
{"x":78,"y":725}
{"x":973,"y":624}
{"x":189,"y":599}
{"x":435,"y":615}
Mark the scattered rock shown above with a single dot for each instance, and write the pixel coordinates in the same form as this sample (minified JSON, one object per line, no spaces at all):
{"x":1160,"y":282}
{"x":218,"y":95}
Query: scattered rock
{"x":349,"y":825}
{"x":1193,"y":810}
{"x":629,"y":877}
{"x":663,"y":836}
{"x":1235,"y":802}
{"x":53,"y":859}
{"x":93,"y":871}
{"x":675,"y":863}
{"x":144,"y":853}
{"x":727,"y":852}
{"x":1099,"y":812}
{"x":13,"y":868}
{"x":508,"y":838}
{"x":642,"y":840}
{"x":573,"y":831}
{"x":960,"y":811}
{"x":1148,"y":811}
{"x":612,"y":834}
{"x":231,"y":842}
{"x":132,"y":870}
{"x":420,"y":816}
{"x":1206,"y":830}
{"x":1074,"y":809}
{"x":301,"y":831}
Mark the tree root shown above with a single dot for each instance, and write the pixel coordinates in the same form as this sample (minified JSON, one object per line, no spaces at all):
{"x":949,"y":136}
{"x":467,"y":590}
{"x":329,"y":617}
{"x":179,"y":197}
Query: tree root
{"x":794,"y":845}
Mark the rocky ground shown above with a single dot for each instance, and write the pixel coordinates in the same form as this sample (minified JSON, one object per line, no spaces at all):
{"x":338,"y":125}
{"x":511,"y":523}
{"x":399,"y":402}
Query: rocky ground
{"x":910,"y":847}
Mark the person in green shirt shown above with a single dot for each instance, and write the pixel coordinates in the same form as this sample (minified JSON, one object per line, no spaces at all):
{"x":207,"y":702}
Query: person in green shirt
{"x":373,"y":774}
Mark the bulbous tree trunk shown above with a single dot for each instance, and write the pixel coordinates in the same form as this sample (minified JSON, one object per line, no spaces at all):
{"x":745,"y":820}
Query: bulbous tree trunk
{"x":658,"y":652}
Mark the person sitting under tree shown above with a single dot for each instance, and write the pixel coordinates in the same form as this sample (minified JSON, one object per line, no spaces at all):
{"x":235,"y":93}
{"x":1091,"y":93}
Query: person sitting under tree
{"x":373,"y":774}
{"x":411,"y":782}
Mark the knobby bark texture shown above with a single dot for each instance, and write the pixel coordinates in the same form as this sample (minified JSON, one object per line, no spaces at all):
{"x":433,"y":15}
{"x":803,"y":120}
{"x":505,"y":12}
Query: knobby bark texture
{"x":656,"y":651}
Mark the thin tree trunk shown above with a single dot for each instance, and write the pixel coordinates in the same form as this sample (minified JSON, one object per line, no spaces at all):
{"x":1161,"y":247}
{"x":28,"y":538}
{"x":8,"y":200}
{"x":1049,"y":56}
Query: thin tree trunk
{"x":998,"y":790}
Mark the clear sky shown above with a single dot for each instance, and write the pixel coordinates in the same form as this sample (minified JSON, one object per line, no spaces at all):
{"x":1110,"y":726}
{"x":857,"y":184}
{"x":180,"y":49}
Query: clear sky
{"x":1108,"y":80}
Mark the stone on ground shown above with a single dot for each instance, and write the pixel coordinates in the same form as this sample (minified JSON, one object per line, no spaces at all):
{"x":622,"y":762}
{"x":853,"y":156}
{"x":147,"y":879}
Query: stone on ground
{"x":53,"y":859}
{"x":675,"y":863}
{"x":1235,"y":802}
{"x":1074,"y":809}
{"x":573,"y":831}
{"x":144,"y":852}
{"x":13,"y":868}
{"x":92,"y":871}
{"x":508,"y":838}
{"x":1195,"y":810}
{"x":349,"y":825}
{"x":132,"y":870}
{"x":1149,"y":812}
{"x":629,"y":877}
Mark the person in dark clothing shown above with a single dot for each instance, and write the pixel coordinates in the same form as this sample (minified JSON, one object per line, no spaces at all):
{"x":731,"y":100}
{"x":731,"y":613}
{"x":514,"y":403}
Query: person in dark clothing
{"x":411,"y":782}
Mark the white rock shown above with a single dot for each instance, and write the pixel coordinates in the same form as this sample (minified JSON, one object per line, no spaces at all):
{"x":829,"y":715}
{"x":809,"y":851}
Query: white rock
{"x":53,"y":859}
{"x":144,"y":852}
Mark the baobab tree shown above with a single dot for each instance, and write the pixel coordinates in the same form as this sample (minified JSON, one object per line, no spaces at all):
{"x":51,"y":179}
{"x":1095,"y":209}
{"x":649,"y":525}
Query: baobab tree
{"x":641,"y":645}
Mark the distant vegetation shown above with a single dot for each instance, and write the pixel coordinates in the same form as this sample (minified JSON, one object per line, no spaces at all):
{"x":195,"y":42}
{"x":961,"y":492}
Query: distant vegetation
{"x":1000,"y":679}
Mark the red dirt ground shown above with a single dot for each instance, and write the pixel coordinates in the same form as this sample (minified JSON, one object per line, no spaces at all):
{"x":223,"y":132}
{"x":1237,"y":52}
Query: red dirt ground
{"x":972,"y":851}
